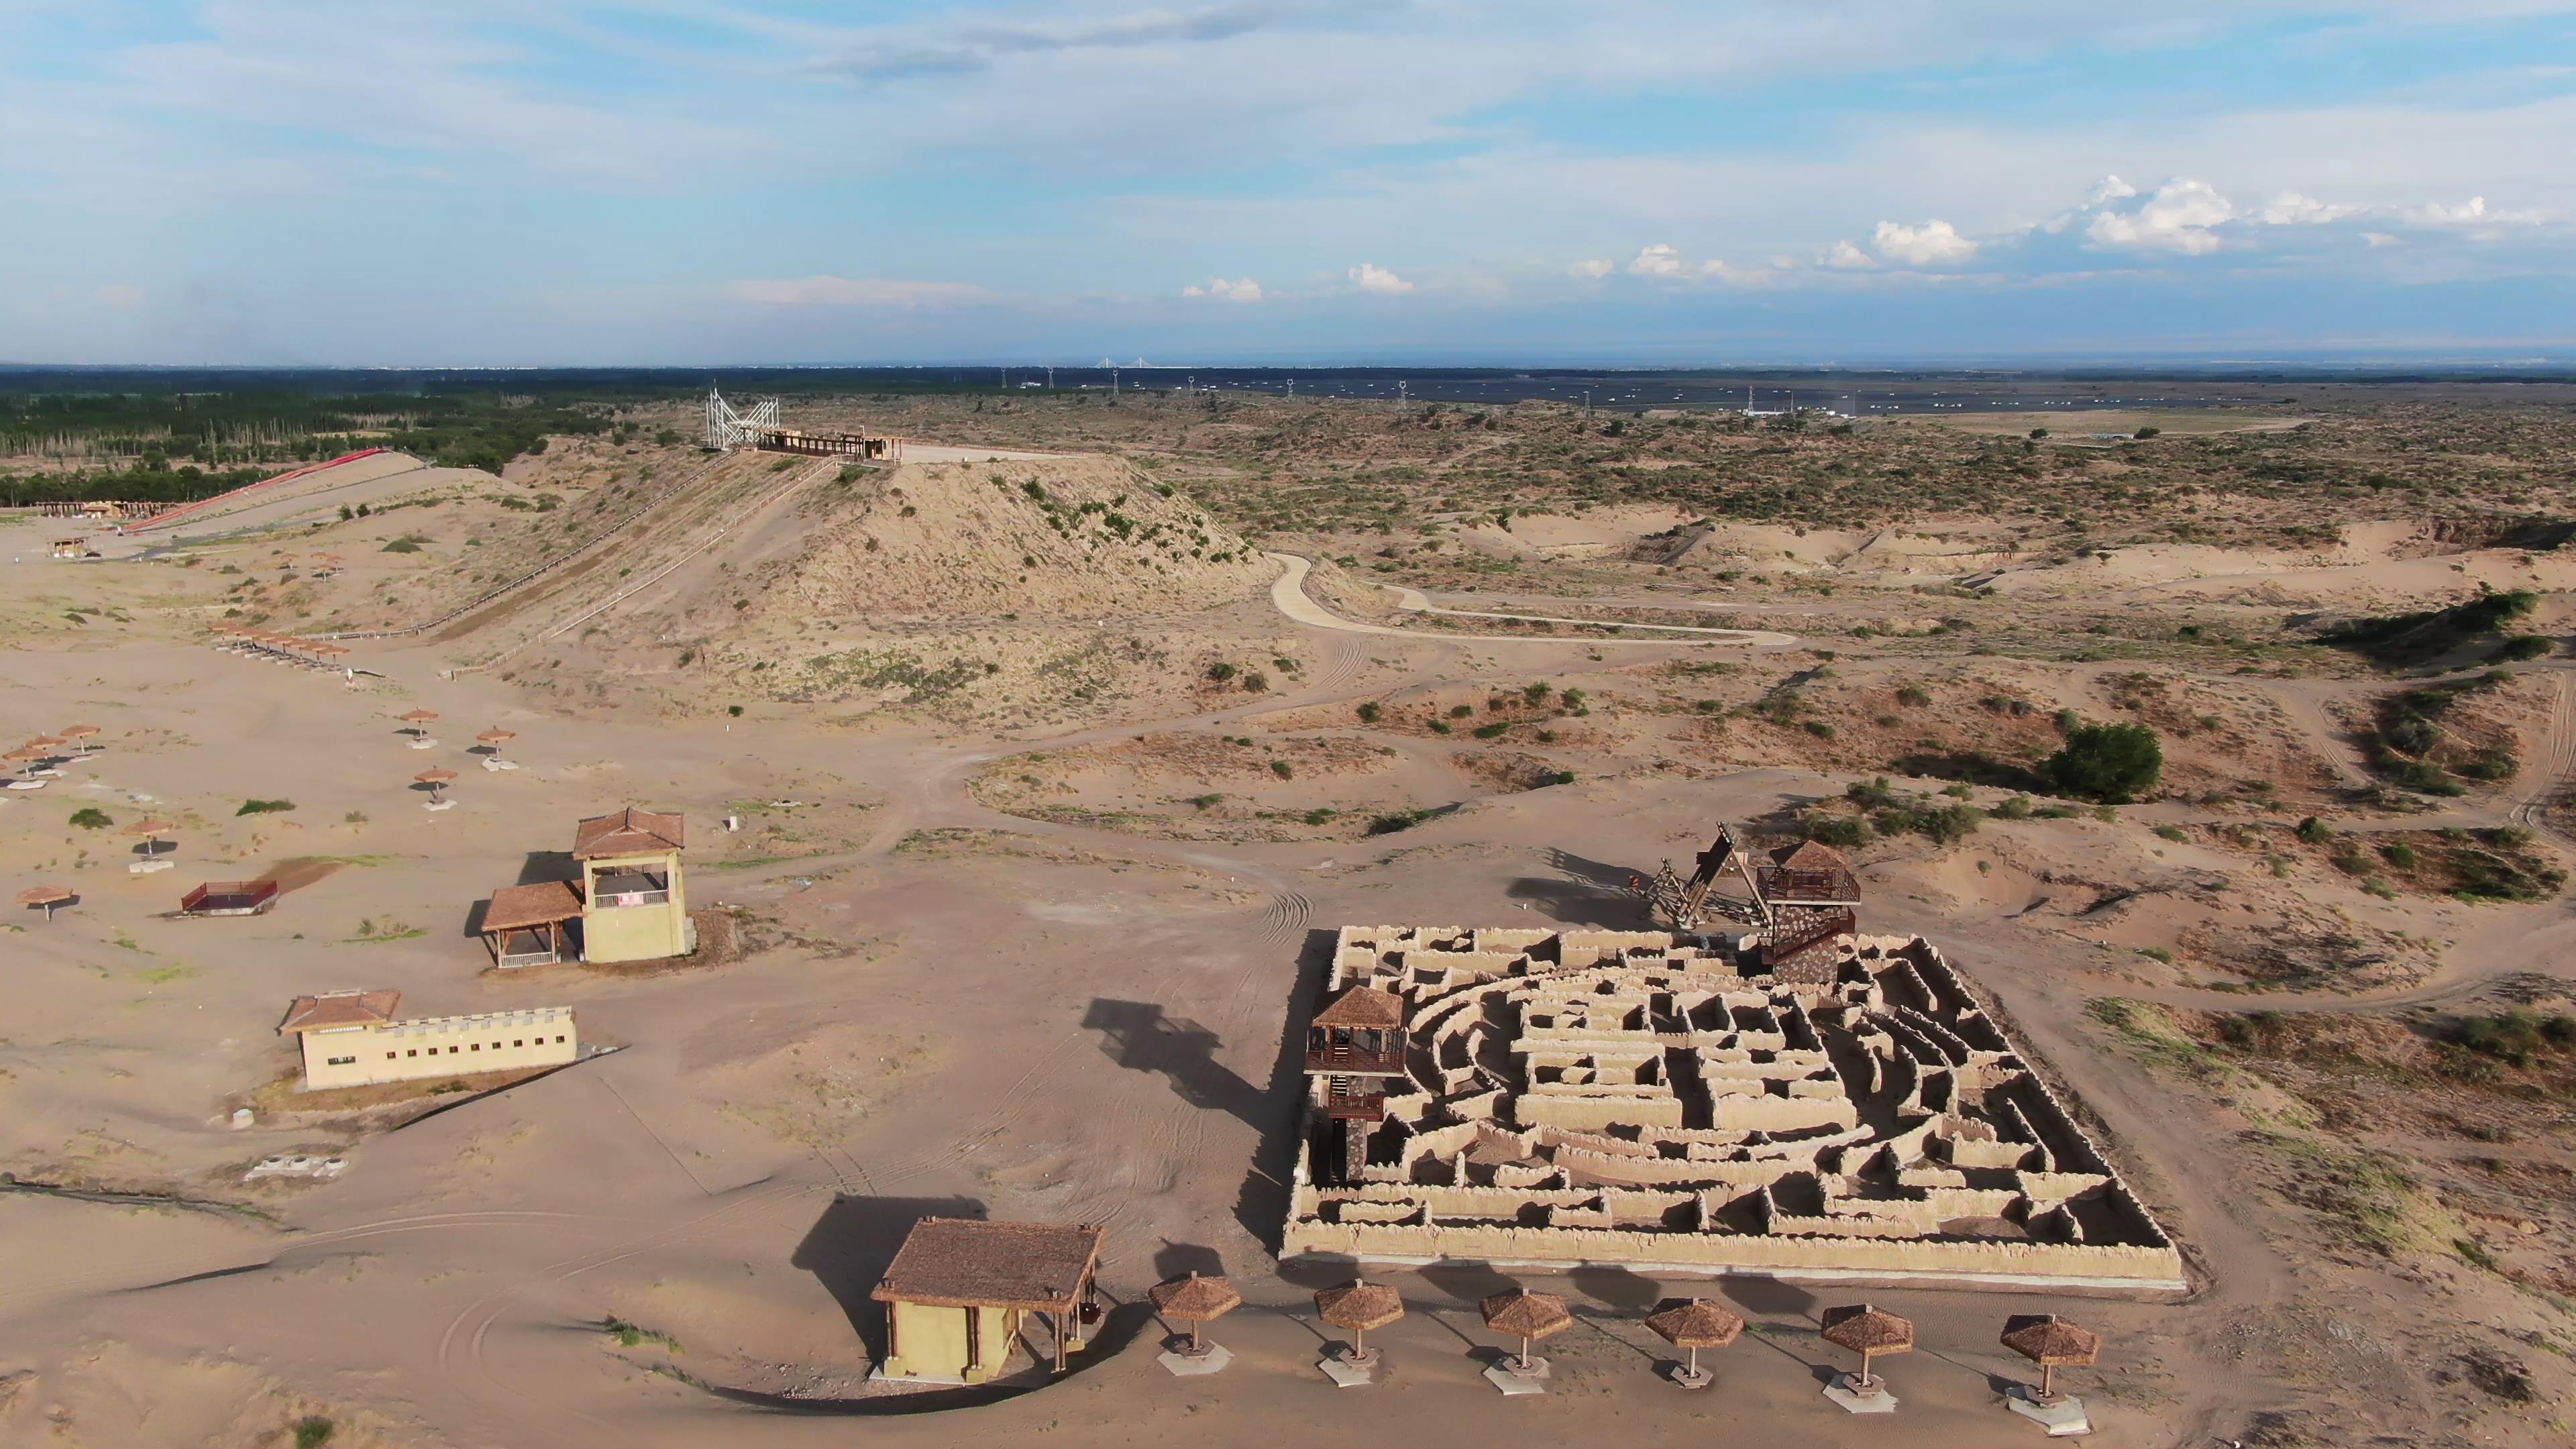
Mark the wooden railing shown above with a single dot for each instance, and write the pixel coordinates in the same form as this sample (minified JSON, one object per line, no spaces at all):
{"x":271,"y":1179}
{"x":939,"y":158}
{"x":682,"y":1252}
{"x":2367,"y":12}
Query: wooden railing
{"x":1356,"y":1060}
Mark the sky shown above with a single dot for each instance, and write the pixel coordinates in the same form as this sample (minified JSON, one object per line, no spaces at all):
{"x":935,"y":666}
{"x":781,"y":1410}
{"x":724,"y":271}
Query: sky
{"x":1703,"y":182}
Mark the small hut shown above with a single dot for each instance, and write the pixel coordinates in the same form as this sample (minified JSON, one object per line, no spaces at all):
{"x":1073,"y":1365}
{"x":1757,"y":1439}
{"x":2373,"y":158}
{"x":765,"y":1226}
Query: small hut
{"x":1869,"y":1332}
{"x":1528,"y":1317}
{"x":524,"y":924}
{"x":437,"y":780}
{"x":2052,"y":1343}
{"x":1691,"y":1325}
{"x":958,"y":1290}
{"x":46,"y":896}
{"x":1194,"y":1299}
{"x":1359,"y":1306}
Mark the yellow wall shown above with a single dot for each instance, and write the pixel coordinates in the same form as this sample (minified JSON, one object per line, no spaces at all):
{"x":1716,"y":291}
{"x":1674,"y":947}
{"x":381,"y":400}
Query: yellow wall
{"x":442,"y":1046}
{"x":633,"y":933}
{"x":930,"y":1342}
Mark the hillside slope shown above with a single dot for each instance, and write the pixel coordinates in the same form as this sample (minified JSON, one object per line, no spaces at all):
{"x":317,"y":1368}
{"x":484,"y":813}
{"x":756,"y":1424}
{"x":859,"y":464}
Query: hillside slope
{"x":1056,"y":538}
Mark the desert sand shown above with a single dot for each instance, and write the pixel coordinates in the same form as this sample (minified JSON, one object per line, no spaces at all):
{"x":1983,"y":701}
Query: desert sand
{"x":1034,"y":885}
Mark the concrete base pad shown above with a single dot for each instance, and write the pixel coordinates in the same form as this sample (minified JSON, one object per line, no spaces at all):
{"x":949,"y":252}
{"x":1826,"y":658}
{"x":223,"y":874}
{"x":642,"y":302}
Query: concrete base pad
{"x":2063,"y":1419}
{"x":146,"y":867}
{"x":1346,"y":1376}
{"x":26,"y":784}
{"x":1514,"y":1381}
{"x":492,"y":764}
{"x":424,"y":744}
{"x":440,"y":805}
{"x":1692,"y":1378}
{"x":1876,"y":1401}
{"x":1180,"y":1362}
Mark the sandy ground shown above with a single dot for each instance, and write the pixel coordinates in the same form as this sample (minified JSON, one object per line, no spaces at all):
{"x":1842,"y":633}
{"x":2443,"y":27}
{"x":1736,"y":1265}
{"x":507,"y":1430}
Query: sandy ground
{"x":944,"y":1007}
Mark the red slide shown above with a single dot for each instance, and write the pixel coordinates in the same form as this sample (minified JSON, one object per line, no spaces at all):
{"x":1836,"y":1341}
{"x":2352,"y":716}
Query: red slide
{"x":173,"y":515}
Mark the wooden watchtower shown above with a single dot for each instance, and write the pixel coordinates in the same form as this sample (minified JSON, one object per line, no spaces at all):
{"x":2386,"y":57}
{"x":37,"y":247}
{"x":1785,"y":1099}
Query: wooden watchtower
{"x":1353,"y":1046}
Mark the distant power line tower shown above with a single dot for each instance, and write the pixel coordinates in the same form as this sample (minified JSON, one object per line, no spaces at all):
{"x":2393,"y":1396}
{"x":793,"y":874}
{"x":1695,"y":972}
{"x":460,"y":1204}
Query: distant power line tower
{"x":727,"y":429}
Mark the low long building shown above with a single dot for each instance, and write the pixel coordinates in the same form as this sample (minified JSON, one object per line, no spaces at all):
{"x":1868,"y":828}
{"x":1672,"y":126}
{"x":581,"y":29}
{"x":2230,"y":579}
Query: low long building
{"x":354,"y":1039}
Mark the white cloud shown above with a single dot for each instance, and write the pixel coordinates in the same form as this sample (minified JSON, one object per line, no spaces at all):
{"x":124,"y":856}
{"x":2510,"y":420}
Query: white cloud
{"x":2292,"y":209}
{"x":2179,"y":217}
{"x":119,"y":294}
{"x":1848,"y":258}
{"x":2109,"y":189}
{"x":2473,"y":209}
{"x":824,"y":291}
{"x":1218,"y":288}
{"x":2379,"y":239}
{"x":1933,"y":244}
{"x":1595,"y":267}
{"x":1657,"y":259}
{"x":1374,"y":278}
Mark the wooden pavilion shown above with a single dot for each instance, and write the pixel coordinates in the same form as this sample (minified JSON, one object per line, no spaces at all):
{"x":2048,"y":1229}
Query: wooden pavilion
{"x":957,"y":1291}
{"x":524,"y":924}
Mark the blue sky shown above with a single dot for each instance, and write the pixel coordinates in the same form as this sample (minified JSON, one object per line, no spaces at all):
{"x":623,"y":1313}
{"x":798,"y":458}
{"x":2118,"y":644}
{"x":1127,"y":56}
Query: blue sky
{"x":510,"y":182}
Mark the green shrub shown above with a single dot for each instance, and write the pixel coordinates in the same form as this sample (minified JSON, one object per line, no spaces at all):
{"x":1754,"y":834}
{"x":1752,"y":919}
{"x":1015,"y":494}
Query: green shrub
{"x":1913,"y":696}
{"x":90,"y":817}
{"x":1220,"y":673}
{"x":1283,"y":769}
{"x":1204,"y":801}
{"x":2315,"y":831}
{"x":2399,"y":854}
{"x":1492,"y":731}
{"x":2525,"y":646}
{"x":2173,"y":832}
{"x":312,"y":1432}
{"x":1461,"y":711}
{"x":1845,"y":832}
{"x":1369,"y":712}
{"x":2016,"y":808}
{"x":2114,"y":763}
{"x":264,"y":807}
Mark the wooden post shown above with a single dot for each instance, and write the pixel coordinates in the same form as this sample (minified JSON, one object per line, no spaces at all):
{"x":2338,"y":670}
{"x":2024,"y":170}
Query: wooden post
{"x":1059,"y":1339}
{"x":974,"y":1338}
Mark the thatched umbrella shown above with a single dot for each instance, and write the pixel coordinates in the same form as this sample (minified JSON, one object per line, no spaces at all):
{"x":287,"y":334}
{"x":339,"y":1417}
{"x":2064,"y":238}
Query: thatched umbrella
{"x":48,"y":896}
{"x":2048,"y":1341}
{"x":419,"y":720}
{"x":1359,"y":1306}
{"x":436,"y":780}
{"x":151,"y":831}
{"x":83,"y":733}
{"x":496,"y":737}
{"x":24,"y":757}
{"x":1527,"y":1316}
{"x":1868,"y":1332}
{"x":1194,"y":1300}
{"x":1691,"y":1325}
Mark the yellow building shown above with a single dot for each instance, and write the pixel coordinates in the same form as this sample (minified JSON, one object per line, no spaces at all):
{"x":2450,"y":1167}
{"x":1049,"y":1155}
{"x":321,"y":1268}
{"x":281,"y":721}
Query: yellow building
{"x":633,"y":905}
{"x":959,"y":1290}
{"x":352,"y":1039}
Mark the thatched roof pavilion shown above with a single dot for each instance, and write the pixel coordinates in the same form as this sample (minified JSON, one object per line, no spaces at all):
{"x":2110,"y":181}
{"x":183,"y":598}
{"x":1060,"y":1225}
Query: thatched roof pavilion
{"x":2051,"y":1342}
{"x":47,"y":896}
{"x":1869,"y":1332}
{"x":1527,"y":1316}
{"x":524,"y":924}
{"x":1359,"y":1306}
{"x":1194,"y":1299}
{"x":1690,"y":1325}
{"x":975,"y":1265}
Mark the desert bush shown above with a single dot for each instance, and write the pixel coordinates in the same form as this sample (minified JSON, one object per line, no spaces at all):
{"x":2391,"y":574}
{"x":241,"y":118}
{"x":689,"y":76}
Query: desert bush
{"x":2114,"y":763}
{"x":90,"y":817}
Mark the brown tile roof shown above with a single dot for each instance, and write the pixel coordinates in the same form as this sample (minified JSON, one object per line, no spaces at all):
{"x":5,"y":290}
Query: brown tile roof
{"x":531,"y":905}
{"x":964,"y":1262}
{"x":339,"y":1008}
{"x":629,"y":832}
{"x":1808,"y":855}
{"x":1362,"y":1006}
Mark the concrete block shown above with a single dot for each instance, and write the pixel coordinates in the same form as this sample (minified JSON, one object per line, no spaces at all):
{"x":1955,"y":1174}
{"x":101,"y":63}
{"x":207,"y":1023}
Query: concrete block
{"x":1507,"y":1375}
{"x":1347,"y":1375}
{"x":1876,"y":1400}
{"x":2063,"y":1417}
{"x":1184,"y":1364}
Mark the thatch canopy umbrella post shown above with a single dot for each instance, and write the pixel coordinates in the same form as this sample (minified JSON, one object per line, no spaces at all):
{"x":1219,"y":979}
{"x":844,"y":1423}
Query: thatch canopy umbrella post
{"x":47,"y":896}
{"x":25,"y":758}
{"x":1869,"y":1332}
{"x":2049,"y":1341}
{"x":1527,"y":1316}
{"x":1359,"y":1306}
{"x":436,"y":780}
{"x":418,"y":720}
{"x":1194,"y":1299}
{"x":1691,"y":1325}
{"x":493,"y":739}
{"x":151,"y":832}
{"x":82,"y":734}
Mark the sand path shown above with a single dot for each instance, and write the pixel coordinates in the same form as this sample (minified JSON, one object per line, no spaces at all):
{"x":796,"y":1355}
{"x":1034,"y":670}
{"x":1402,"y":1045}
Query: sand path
{"x":1289,"y":593}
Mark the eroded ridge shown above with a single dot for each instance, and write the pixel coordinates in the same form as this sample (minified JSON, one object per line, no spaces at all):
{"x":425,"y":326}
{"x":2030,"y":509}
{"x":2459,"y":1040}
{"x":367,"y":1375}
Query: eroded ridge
{"x":1661,"y":1102}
